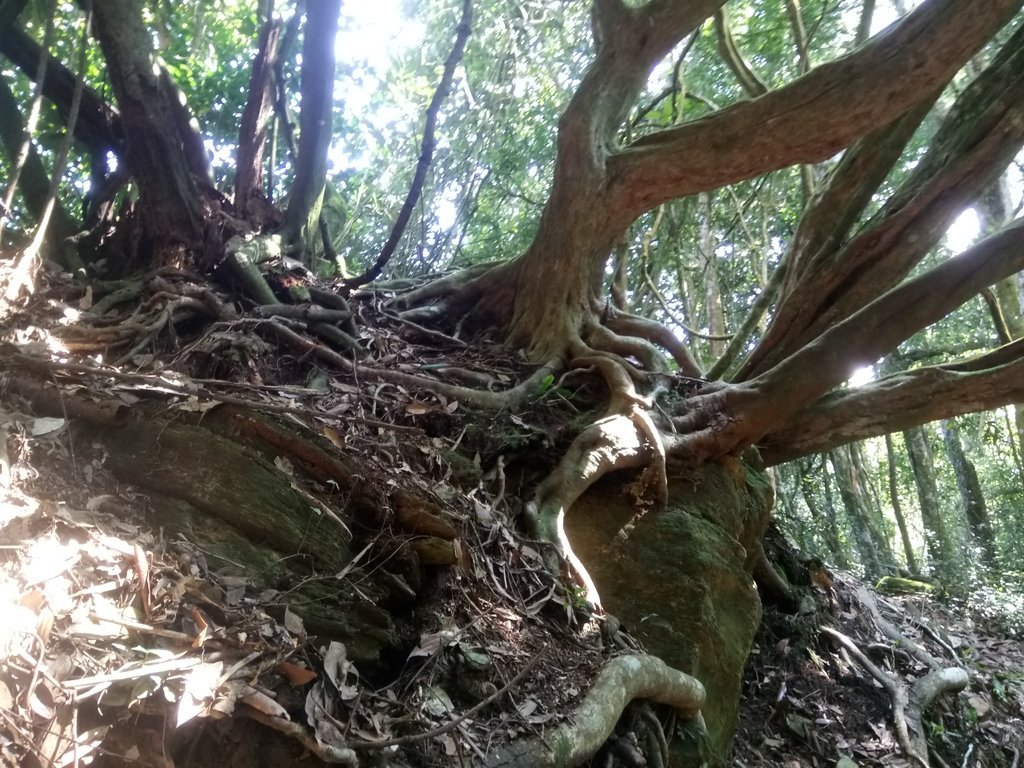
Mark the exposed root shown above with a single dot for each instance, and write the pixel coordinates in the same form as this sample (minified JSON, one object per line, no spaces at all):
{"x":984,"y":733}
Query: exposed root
{"x":774,"y":589}
{"x":623,"y":679}
{"x":656,"y":333}
{"x":640,"y":349}
{"x":865,"y":598}
{"x":511,"y":398}
{"x":908,"y":707}
{"x":610,"y":443}
{"x":626,"y":437}
{"x":625,"y":400}
{"x":444,"y":295}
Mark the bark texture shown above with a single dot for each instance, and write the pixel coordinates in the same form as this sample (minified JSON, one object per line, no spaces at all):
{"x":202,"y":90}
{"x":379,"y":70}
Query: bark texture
{"x":154,"y":148}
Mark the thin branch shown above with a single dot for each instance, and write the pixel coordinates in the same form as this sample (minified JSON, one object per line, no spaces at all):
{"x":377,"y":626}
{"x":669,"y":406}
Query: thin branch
{"x":426,"y":151}
{"x":33,"y":116}
{"x":867,"y":14}
{"x":412,"y":738}
{"x":739,"y":339}
{"x":796,"y":22}
{"x":752,"y":85}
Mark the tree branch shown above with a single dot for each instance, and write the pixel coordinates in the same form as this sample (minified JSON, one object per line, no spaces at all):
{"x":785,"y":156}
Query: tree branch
{"x":815,"y":116}
{"x":978,"y":138}
{"x":426,"y":150}
{"x":899,"y":402}
{"x":752,"y":85}
{"x":98,"y":126}
{"x":882,"y":325}
{"x":721,"y":419}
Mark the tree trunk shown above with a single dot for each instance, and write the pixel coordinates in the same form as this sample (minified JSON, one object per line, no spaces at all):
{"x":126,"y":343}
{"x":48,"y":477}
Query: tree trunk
{"x":851,"y":492}
{"x":940,"y":544}
{"x":972,"y":497}
{"x":170,"y":199}
{"x":880,"y":529}
{"x":252,"y":133}
{"x":316,"y":122}
{"x":897,"y":507}
{"x":680,"y":576}
{"x":825,"y":521}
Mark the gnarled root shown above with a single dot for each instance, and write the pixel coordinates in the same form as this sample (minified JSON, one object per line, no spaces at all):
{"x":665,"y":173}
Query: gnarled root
{"x":623,"y":679}
{"x":626,"y":437}
{"x":908,"y":707}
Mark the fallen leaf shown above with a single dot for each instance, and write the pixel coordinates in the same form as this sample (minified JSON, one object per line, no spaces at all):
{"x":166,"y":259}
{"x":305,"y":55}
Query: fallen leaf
{"x":297,"y":676}
{"x":200,"y":687}
{"x":263,"y":703}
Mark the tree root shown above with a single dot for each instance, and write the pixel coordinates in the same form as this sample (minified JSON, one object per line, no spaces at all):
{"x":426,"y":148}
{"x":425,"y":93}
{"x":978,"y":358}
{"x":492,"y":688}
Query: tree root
{"x":325,"y":752}
{"x":908,"y":707}
{"x":511,"y":398}
{"x":625,"y":437}
{"x":774,"y":588}
{"x":623,"y":679}
{"x":641,"y":327}
{"x":865,"y":598}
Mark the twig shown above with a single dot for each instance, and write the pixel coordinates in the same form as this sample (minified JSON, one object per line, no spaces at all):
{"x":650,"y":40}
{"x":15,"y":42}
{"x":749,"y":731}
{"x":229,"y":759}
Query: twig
{"x":326,"y":752}
{"x":178,"y":664}
{"x":414,"y":737}
{"x":138,"y":626}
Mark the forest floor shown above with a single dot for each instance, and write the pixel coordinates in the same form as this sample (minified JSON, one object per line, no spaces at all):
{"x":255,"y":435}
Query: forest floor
{"x":806,"y":702}
{"x":119,"y":643}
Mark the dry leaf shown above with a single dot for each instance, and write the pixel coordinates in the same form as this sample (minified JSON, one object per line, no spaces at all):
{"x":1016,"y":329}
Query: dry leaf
{"x":263,"y":703}
{"x":332,"y":434}
{"x":293,"y":623}
{"x":200,"y":687}
{"x":297,"y":676}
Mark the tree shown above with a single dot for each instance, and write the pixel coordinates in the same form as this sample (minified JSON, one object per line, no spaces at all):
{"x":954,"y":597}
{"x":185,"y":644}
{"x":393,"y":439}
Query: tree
{"x":843,"y":295}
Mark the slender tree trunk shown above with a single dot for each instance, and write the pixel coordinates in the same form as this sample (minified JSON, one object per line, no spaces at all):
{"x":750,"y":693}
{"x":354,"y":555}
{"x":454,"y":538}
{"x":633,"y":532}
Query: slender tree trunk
{"x":994,"y":209}
{"x":897,"y":507}
{"x":252,"y":135}
{"x":879,"y":528}
{"x":853,"y":503}
{"x":831,"y":514}
{"x":302,"y":220}
{"x":34,"y":183}
{"x":824,"y":521}
{"x":786,"y":486}
{"x":940,"y":545}
{"x":713,"y":291}
{"x":972,"y":498}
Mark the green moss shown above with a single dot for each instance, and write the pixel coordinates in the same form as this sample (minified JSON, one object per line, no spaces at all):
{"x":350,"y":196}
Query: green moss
{"x":896,"y":585}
